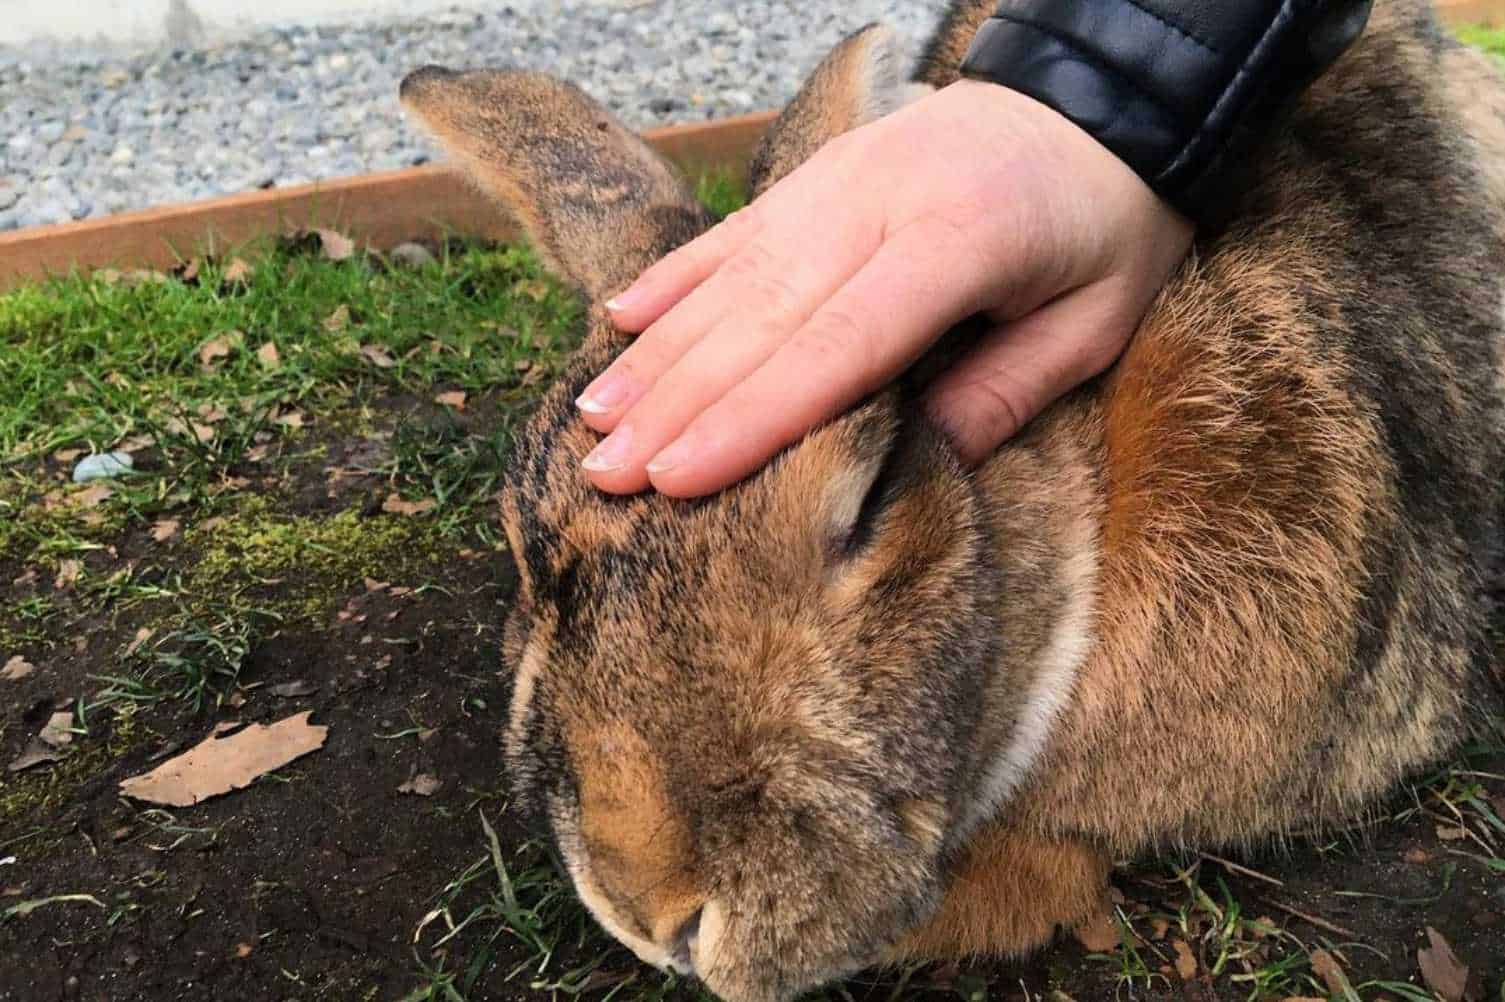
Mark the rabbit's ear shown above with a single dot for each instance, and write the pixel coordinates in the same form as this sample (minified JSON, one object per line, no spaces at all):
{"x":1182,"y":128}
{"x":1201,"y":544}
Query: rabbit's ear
{"x":863,"y":79}
{"x":596,"y":201}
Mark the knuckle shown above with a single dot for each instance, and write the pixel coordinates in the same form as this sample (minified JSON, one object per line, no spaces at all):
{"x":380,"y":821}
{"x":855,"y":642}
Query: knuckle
{"x":835,"y":338}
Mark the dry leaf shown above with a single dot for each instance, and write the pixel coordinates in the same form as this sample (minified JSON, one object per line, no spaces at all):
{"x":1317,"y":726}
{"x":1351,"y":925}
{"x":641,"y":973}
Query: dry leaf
{"x":395,"y":505}
{"x":213,"y":350}
{"x":68,"y":571}
{"x":1186,"y":961}
{"x":142,"y":636}
{"x":244,"y":950}
{"x":337,"y":246}
{"x":16,"y":669}
{"x":454,"y":398}
{"x":67,"y":455}
{"x":267,"y":356}
{"x":289,"y":419}
{"x":1417,"y":855}
{"x":292,"y":690}
{"x":1441,"y":969}
{"x":1326,"y":968}
{"x":37,"y":753}
{"x":422,"y":784}
{"x":164,"y":530}
{"x":238,"y":271}
{"x":378,"y":356}
{"x":211,"y":413}
{"x":1099,"y":934}
{"x":90,"y":497}
{"x":218,"y":765}
{"x":58,"y":731}
{"x":338,"y":320}
{"x":1451,"y":833}
{"x":532,"y":288}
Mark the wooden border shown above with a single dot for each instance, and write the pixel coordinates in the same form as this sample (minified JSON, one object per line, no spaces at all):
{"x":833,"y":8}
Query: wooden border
{"x":380,"y":210}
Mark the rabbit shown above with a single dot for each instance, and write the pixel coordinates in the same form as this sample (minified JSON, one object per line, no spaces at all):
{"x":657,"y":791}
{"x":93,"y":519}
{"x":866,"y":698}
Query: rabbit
{"x":869,"y":705}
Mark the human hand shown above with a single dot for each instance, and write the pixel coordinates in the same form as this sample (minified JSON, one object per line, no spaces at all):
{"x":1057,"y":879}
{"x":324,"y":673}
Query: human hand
{"x":973,"y":200}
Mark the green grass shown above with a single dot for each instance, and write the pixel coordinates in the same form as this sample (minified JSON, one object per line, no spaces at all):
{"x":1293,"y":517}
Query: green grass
{"x":1491,"y":40}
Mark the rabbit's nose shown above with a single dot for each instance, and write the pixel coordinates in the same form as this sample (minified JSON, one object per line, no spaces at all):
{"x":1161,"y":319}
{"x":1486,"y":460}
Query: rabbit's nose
{"x":682,"y":950}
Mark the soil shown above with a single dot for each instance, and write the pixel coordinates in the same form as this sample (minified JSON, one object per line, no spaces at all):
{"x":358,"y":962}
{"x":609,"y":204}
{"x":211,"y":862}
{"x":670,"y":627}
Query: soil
{"x":312,"y":883}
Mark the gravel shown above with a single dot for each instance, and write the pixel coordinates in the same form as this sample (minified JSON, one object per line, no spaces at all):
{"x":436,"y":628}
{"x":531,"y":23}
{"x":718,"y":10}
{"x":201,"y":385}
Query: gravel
{"x":91,"y":132}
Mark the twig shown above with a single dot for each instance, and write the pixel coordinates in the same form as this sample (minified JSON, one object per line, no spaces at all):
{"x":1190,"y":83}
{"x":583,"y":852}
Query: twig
{"x":1236,"y":868}
{"x":1320,"y":923}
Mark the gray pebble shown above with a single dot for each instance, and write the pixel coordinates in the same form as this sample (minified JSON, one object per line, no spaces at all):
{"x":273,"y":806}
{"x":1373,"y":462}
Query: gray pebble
{"x":411,"y":255}
{"x":102,"y":466}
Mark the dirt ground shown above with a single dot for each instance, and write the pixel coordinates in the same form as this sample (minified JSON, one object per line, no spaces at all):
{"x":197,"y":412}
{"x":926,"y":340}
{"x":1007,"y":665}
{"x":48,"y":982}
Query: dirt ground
{"x":313,"y":883}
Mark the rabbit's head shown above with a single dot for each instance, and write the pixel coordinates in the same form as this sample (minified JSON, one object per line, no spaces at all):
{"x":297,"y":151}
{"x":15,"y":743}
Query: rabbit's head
{"x":743,"y":718}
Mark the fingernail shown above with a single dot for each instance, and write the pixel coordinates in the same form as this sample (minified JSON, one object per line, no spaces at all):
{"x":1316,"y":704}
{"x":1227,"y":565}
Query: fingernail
{"x":603,"y":395}
{"x":611,"y":454}
{"x":625,"y":300}
{"x":675,"y":455}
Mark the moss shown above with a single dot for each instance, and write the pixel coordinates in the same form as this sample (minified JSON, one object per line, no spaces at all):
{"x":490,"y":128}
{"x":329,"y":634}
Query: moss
{"x":312,"y":561}
{"x":42,"y":790}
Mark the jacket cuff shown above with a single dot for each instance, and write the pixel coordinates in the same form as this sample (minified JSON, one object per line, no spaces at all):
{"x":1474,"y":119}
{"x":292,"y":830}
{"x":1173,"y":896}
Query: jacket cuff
{"x":1181,"y":110}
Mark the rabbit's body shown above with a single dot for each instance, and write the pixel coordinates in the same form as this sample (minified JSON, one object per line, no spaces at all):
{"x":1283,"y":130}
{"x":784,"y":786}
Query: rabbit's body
{"x":867,"y":703}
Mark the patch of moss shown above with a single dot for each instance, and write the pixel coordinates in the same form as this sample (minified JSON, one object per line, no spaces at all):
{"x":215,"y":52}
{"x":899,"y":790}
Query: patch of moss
{"x":312,"y":560}
{"x":41,"y":792}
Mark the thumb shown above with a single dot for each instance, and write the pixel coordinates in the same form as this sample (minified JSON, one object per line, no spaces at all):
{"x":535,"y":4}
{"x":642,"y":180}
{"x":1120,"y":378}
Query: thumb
{"x":1018,"y":369}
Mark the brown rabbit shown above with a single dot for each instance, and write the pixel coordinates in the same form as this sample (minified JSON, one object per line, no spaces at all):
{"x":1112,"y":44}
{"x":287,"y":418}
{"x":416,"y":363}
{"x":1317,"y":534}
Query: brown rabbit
{"x":867,"y":704}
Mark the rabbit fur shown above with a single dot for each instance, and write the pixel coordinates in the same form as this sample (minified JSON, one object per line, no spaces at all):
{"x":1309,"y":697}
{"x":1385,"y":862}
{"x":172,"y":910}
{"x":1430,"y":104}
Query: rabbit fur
{"x":868,"y":704}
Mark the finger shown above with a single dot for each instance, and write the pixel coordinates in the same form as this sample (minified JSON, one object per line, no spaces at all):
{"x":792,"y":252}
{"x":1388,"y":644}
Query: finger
{"x":762,"y":294}
{"x":673,"y":276}
{"x":1017,"y":370}
{"x":875,"y":325}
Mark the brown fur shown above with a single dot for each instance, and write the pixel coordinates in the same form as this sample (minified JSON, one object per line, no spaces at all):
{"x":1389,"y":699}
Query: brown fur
{"x":868,"y":704}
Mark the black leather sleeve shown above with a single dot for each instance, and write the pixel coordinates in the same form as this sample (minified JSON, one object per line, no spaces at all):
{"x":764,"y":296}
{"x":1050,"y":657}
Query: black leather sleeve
{"x":1180,"y":90}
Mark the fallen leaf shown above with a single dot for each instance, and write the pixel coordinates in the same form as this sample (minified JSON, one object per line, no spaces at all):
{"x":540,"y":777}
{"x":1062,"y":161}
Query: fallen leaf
{"x":267,"y":356}
{"x":395,"y":505}
{"x":36,"y":753}
{"x":1451,"y":833}
{"x":199,"y":431}
{"x":336,"y":246}
{"x":292,"y":690}
{"x":58,"y":731}
{"x":1186,"y":961}
{"x":90,"y":497}
{"x":338,"y":320}
{"x":422,"y":784}
{"x":67,"y":455}
{"x":214,"y":349}
{"x":142,"y":636}
{"x":218,"y":765}
{"x":1326,"y":968}
{"x":164,"y":530}
{"x":16,"y":669}
{"x":244,"y":950}
{"x":1099,"y":934}
{"x":1441,"y":969}
{"x":238,"y":271}
{"x":454,"y":398}
{"x":1158,"y":927}
{"x":378,"y":356}
{"x":374,"y":585}
{"x":68,"y":571}
{"x":289,"y":419}
{"x":211,"y":413}
{"x":1417,"y":855}
{"x":188,"y":272}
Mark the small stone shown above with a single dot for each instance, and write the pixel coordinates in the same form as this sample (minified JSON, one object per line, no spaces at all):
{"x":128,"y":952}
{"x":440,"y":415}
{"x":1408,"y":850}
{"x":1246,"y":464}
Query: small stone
{"x":102,"y":466}
{"x":411,"y":255}
{"x":122,"y":155}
